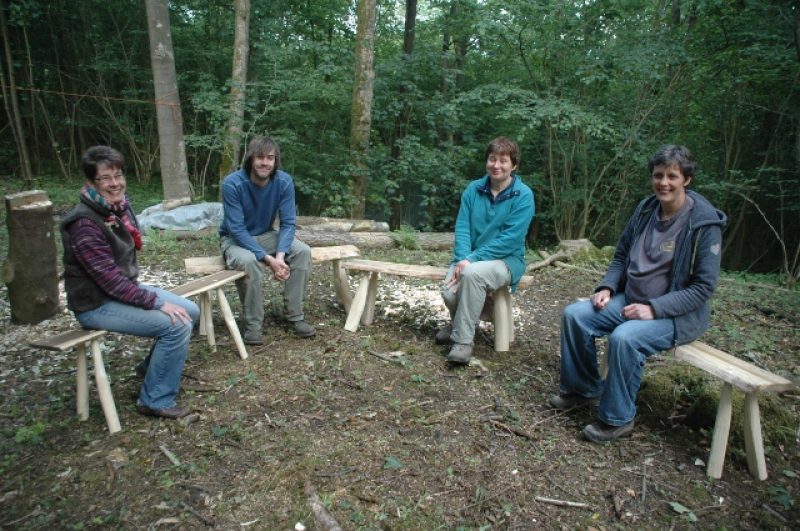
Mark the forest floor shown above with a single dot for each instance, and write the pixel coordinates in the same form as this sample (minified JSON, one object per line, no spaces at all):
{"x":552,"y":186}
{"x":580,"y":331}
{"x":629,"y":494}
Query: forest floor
{"x":408,"y":443}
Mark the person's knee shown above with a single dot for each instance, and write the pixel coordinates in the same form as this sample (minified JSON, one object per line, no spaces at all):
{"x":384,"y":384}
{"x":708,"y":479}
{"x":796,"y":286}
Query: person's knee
{"x":574,"y":313}
{"x":193,"y":310}
{"x":301,"y":256}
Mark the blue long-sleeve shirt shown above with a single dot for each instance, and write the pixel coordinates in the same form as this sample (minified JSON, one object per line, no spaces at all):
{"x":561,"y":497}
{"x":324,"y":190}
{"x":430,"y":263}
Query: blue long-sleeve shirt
{"x":494,"y":228}
{"x":250,"y":210}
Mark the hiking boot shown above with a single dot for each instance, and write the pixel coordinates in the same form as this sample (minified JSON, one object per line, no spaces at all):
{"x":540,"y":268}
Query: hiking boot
{"x":568,"y":401}
{"x":443,"y":335}
{"x":601,"y":432}
{"x":303,"y":329}
{"x":253,"y":337}
{"x":174,"y":412}
{"x":460,"y":354}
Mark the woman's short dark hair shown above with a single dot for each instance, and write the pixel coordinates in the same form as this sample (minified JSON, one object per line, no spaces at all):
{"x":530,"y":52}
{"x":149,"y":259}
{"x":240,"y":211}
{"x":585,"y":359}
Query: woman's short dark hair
{"x":503,"y":146}
{"x":258,"y":147}
{"x":674,"y":154}
{"x":97,"y":155}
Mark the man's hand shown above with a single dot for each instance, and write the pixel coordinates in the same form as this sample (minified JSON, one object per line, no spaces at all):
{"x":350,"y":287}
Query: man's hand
{"x":456,"y":277}
{"x":638,"y":311}
{"x":279,"y":267}
{"x":176,"y":313}
{"x":600,"y":299}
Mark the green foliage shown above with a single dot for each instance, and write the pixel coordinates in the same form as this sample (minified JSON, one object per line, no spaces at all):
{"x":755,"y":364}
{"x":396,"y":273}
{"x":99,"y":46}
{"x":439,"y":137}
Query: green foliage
{"x":31,"y":434}
{"x":405,"y":238}
{"x":589,"y":89}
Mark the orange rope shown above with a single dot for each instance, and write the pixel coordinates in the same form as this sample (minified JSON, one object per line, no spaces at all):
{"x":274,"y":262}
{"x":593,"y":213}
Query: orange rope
{"x":78,"y":95}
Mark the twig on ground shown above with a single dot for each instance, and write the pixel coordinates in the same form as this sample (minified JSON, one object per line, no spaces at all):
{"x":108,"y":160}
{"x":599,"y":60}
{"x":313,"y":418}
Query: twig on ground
{"x":774,"y":513}
{"x":197,"y":514}
{"x":547,"y":260}
{"x":172,"y":457}
{"x":515,"y":431}
{"x":321,"y":514}
{"x":644,"y":481}
{"x":612,"y":491}
{"x":392,"y":359}
{"x":562,"y":503}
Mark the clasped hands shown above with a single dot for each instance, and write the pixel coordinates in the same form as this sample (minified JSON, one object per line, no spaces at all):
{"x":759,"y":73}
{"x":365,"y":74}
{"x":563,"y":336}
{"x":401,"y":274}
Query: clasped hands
{"x":279,"y":267}
{"x":631,"y":311}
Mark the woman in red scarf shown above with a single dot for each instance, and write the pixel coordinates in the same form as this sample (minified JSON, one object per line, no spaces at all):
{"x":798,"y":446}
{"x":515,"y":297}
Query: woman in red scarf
{"x":101,"y":237}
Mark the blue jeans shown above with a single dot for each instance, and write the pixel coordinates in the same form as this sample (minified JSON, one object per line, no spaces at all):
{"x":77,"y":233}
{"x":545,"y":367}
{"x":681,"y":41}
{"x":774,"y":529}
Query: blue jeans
{"x":169,"y":351}
{"x":630,"y":343}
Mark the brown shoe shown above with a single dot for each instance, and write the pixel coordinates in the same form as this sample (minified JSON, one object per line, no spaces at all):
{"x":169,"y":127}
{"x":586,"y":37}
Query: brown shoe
{"x":174,"y":412}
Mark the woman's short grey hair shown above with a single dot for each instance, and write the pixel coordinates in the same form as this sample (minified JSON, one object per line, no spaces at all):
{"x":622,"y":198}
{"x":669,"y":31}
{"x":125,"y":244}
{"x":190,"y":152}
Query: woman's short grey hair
{"x":674,"y":154}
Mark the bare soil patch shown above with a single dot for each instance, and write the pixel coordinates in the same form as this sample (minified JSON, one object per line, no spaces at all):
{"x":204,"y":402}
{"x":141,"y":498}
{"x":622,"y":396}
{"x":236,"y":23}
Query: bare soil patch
{"x":385,"y":433}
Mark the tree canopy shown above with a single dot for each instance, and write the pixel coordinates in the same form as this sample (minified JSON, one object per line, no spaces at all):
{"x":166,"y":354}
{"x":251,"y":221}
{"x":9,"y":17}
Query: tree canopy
{"x":589,"y":90}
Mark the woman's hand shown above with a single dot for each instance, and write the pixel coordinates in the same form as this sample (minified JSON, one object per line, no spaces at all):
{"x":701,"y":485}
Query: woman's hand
{"x":456,"y":276}
{"x":176,"y":313}
{"x":638,"y":311}
{"x":600,"y":299}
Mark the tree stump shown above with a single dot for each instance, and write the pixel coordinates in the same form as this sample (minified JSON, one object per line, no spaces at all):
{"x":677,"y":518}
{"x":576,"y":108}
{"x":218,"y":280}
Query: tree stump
{"x":30,"y":268}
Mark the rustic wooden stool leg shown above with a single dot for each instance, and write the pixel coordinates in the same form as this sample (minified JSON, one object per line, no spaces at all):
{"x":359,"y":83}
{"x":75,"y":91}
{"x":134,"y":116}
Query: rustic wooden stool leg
{"x":359,"y":301}
{"x":104,"y":389}
{"x":203,"y":310}
{"x":207,"y":319}
{"x":753,"y":443}
{"x":503,"y":321}
{"x":225,"y":308}
{"x":369,"y":308}
{"x":83,"y":384}
{"x":341,"y":286}
{"x":722,"y":427}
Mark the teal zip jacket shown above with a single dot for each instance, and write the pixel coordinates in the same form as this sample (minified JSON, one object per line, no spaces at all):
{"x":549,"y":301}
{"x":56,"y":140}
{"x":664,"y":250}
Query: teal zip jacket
{"x":490,"y":228}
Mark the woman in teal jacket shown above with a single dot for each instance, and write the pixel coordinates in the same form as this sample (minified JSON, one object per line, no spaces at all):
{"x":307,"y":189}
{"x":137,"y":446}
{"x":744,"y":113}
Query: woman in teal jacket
{"x":489,"y":251}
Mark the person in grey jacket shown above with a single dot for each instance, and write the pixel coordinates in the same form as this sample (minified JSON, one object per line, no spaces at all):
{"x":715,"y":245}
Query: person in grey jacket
{"x":655,"y":295}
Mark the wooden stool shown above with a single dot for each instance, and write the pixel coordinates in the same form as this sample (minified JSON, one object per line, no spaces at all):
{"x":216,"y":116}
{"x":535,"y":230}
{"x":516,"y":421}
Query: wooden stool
{"x":79,"y":338}
{"x":751,"y":380}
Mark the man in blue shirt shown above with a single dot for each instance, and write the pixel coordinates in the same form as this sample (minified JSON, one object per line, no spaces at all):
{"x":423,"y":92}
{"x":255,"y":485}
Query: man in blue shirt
{"x":253,"y":197}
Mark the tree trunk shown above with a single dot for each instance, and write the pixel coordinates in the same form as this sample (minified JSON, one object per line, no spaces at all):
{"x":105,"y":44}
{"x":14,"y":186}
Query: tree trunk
{"x":431,"y":241}
{"x":174,"y":171}
{"x":15,"y":118}
{"x":361,"y":114}
{"x":403,"y":204}
{"x":241,"y":49}
{"x":30,"y":269}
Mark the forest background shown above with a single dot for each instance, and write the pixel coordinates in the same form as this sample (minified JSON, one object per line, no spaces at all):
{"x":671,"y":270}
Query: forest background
{"x":588,"y":88}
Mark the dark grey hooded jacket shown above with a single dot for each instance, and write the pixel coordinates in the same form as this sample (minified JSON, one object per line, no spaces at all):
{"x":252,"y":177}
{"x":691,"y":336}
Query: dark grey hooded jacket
{"x":695,"y":266}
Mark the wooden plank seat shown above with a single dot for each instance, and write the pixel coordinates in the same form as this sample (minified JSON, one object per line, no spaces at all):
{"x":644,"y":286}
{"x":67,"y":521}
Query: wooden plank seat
{"x":78,"y":339}
{"x":203,"y":287}
{"x":332,"y":253}
{"x":751,"y":380}
{"x":363,"y":306}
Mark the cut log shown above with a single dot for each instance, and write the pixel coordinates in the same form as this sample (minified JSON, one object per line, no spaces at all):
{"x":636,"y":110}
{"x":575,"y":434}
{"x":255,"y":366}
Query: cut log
{"x":430,"y":241}
{"x":342,"y":225}
{"x":30,"y":269}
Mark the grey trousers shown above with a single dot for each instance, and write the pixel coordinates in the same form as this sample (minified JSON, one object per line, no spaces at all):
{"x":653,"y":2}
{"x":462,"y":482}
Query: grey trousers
{"x":465,"y":300}
{"x":250,"y":288}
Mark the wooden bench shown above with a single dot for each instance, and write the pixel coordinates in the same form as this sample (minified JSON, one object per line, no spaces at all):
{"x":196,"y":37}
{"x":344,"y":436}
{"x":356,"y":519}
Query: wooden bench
{"x":752,"y":380}
{"x":203,"y":287}
{"x":80,"y":338}
{"x":363,"y":306}
{"x":333,"y":254}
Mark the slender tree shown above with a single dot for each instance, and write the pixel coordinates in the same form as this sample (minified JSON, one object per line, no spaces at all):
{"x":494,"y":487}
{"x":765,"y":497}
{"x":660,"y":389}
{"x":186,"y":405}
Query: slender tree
{"x":241,"y":49}
{"x":13,"y":110}
{"x":361,"y":114}
{"x":174,"y":171}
